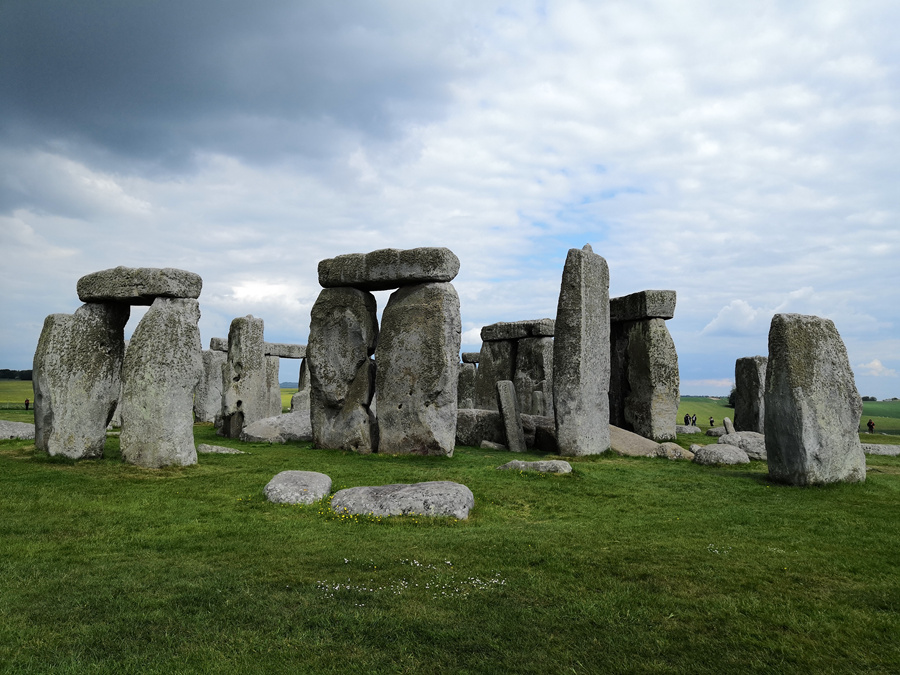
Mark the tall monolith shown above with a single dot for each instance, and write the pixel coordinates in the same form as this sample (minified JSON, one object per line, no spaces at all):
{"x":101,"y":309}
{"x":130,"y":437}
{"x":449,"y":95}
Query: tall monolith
{"x":245,"y":377}
{"x":750,"y":394}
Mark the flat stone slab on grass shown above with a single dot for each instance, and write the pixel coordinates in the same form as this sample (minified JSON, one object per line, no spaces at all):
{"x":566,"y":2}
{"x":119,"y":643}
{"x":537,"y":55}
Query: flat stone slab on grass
{"x":279,"y":429}
{"x":671,"y":450}
{"x":690,"y":429}
{"x":754,"y":444}
{"x":490,"y":445}
{"x":389,"y":268}
{"x":205,"y":449}
{"x":630,"y":444}
{"x":716,"y":431}
{"x":880,"y":449}
{"x":297,"y":487}
{"x":138,"y":285}
{"x":720,"y":453}
{"x":542,"y":466}
{"x":21,"y":430}
{"x":433,"y":498}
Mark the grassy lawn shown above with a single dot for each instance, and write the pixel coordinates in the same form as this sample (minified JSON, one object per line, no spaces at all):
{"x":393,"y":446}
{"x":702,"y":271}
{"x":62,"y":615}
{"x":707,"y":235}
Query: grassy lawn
{"x":629,"y":565}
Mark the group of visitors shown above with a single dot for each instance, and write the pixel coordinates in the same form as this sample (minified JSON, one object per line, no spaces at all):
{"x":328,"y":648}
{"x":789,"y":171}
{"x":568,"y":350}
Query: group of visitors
{"x":691,"y":420}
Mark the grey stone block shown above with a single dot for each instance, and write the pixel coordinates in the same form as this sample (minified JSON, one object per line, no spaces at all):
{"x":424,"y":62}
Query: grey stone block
{"x":750,"y":394}
{"x":138,"y":285}
{"x":720,"y":454}
{"x":285,"y":351}
{"x":208,"y":394}
{"x":21,"y":430}
{"x":509,"y":413}
{"x":434,"y":498}
{"x":297,"y":487}
{"x":642,"y":305}
{"x":542,"y":466}
{"x":470,"y":357}
{"x":245,"y":377}
{"x":389,"y":268}
{"x":515,"y":330}
{"x":476,"y":425}
{"x":497,"y":361}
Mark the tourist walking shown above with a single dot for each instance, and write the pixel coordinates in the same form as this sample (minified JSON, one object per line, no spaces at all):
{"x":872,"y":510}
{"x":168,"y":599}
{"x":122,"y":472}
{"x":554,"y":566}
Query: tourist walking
{"x":871,"y":426}
{"x":27,"y":402}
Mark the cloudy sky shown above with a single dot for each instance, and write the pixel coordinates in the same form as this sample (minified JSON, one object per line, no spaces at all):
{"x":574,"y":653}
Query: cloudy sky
{"x":743,"y":154}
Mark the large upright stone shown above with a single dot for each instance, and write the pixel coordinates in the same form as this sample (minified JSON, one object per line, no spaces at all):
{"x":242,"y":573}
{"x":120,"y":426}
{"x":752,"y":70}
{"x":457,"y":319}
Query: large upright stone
{"x":208,"y":394}
{"x":343,"y":332}
{"x":812,"y":407}
{"x":389,"y":268}
{"x":496,"y":362}
{"x":245,"y":377}
{"x":644,"y":381}
{"x":534,"y":373}
{"x":138,"y":285}
{"x":161,"y":369}
{"x":77,"y":379}
{"x":509,"y":413}
{"x":465,"y":395}
{"x":750,"y":394}
{"x":273,"y":387}
{"x":416,"y":383}
{"x":581,"y":355}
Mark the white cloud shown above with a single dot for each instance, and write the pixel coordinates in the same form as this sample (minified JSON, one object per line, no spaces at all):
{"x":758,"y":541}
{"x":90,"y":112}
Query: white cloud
{"x":876,"y":369}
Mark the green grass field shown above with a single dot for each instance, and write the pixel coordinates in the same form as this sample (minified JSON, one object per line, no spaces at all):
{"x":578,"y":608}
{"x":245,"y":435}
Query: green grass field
{"x":628,"y":565}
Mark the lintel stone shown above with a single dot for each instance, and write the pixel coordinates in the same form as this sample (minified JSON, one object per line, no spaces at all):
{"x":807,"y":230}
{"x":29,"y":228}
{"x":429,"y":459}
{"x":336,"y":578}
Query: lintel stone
{"x":389,"y":268}
{"x":514,"y":330}
{"x":138,"y":285}
{"x":642,"y":305}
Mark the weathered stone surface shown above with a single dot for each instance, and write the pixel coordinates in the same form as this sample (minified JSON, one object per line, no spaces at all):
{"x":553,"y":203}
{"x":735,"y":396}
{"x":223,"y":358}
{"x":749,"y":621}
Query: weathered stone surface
{"x":497,"y":361}
{"x":434,"y":498}
{"x":716,"y":431}
{"x":752,"y":443}
{"x":720,"y":454}
{"x":389,"y":268}
{"x":750,"y":394}
{"x":206,"y":449}
{"x":284,"y":428}
{"x":471,"y":357}
{"x":534,"y":373}
{"x":476,"y":425}
{"x":273,"y":388}
{"x":245,"y":377}
{"x":77,"y":379}
{"x":630,"y":444}
{"x":515,"y":330}
{"x":138,"y":285}
{"x":642,"y":305}
{"x":343,"y":332}
{"x":297,"y":487}
{"x":672,"y":450}
{"x":21,"y":430}
{"x":465,"y":387}
{"x":729,"y":426}
{"x":812,"y":406}
{"x":540,"y":433}
{"x":161,"y":369}
{"x":543,"y":466}
{"x":691,"y":429}
{"x":509,"y":413}
{"x":418,"y":357}
{"x":644,"y":382}
{"x":880,"y":449}
{"x":490,"y":445}
{"x":581,"y":355}
{"x":208,"y":394}
{"x":285,"y":351}
{"x":218,"y":344}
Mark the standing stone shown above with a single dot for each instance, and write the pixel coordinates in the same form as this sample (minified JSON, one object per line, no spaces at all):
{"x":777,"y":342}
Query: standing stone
{"x":534,"y":372}
{"x":273,"y":387}
{"x":509,"y":412}
{"x":812,"y":407}
{"x":343,"y":332}
{"x":245,"y":389}
{"x":465,"y":396}
{"x":77,"y":379}
{"x":581,"y":355}
{"x":417,"y":358}
{"x":496,"y":362}
{"x":208,"y":394}
{"x":161,"y":369}
{"x":750,"y":394}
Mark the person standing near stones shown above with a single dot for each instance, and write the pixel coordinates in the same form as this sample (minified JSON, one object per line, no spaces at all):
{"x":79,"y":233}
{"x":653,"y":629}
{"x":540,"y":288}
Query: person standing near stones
{"x":712,"y":422}
{"x":687,"y":419}
{"x":694,"y":419}
{"x":27,"y":402}
{"x":869,"y":424}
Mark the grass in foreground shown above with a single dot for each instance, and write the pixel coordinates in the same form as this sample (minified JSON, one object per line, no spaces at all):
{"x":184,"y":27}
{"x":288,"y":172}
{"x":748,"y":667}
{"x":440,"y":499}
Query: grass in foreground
{"x":628,"y":565}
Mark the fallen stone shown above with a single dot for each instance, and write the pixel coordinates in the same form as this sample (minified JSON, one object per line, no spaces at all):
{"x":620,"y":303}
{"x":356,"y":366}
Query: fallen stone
{"x":682,"y":429}
{"x":389,"y":268}
{"x":515,"y":330}
{"x":672,"y":450}
{"x":418,"y":363}
{"x":434,"y":498}
{"x":880,"y":449}
{"x":470,"y":357}
{"x":581,"y":360}
{"x":630,"y":444}
{"x":509,"y":413}
{"x":716,"y":431}
{"x":138,"y":285}
{"x":206,"y":449}
{"x":642,"y":305}
{"x":542,"y":466}
{"x":488,"y":445}
{"x":77,"y":379}
{"x":21,"y":430}
{"x":729,"y":426}
{"x":297,"y":487}
{"x":343,"y":331}
{"x":752,"y":443}
{"x":284,"y":428}
{"x":474,"y":425}
{"x":720,"y":454}
{"x":812,"y":404}
{"x":750,"y":394}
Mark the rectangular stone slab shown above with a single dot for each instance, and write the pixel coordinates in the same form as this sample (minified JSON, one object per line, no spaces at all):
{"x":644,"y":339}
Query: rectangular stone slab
{"x":470,"y":357}
{"x":642,"y":305}
{"x":285,"y":351}
{"x":389,"y":268}
{"x":138,"y":285}
{"x":514,"y":330}
{"x":218,"y":344}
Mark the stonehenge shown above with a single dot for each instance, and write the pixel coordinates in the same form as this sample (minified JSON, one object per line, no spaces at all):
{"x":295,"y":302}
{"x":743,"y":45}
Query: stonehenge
{"x":750,"y":394}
